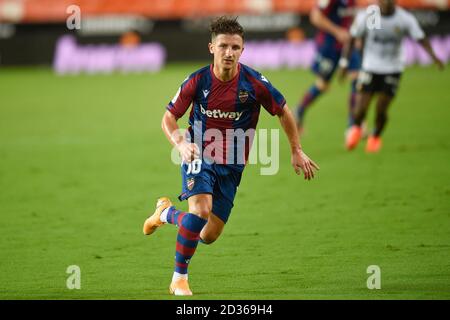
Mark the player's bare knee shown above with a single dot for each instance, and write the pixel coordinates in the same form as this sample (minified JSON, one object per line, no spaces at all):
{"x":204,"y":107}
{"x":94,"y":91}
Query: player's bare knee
{"x":201,"y":211}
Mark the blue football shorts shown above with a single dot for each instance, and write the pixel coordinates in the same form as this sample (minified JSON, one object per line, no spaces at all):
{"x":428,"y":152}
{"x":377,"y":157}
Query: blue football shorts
{"x":326,"y":61}
{"x":219,"y":180}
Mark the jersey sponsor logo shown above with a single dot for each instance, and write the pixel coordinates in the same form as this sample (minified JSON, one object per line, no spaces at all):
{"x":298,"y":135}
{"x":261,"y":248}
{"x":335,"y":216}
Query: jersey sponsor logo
{"x":219,"y":114}
{"x":264,"y":79}
{"x":205,"y":93}
{"x":243,"y":96}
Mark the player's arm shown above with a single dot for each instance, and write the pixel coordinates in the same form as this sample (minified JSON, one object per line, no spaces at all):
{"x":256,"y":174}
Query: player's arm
{"x":175,"y":110}
{"x":416,"y":32}
{"x":299,"y":160}
{"x":425,"y":43}
{"x":320,"y":21}
{"x":188,"y":151}
{"x":357,"y":32}
{"x":345,"y":58}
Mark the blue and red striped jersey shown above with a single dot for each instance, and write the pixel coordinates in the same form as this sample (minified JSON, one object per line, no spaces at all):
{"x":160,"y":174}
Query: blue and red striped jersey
{"x":222,"y":110}
{"x":341,"y":13}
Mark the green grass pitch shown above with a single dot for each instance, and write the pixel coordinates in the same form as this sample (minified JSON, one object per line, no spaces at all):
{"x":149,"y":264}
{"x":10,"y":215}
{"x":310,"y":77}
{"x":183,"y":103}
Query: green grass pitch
{"x":83,"y":159}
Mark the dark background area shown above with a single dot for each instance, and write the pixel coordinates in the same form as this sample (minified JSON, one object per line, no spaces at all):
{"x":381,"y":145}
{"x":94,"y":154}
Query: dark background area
{"x":184,"y":40}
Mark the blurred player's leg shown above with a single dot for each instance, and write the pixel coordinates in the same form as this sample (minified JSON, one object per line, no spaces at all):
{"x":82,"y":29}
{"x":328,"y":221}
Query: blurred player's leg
{"x":352,"y":105}
{"x":374,"y":141}
{"x":382,"y":117}
{"x":363,"y":100}
{"x":353,"y":72}
{"x":352,"y":98}
{"x":310,"y":96}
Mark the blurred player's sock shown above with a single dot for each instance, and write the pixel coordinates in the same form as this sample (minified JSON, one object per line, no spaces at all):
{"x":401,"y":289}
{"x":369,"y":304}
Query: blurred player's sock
{"x":373,"y":144}
{"x":308,"y":98}
{"x":352,"y":103}
{"x":173,"y":216}
{"x":190,"y":226}
{"x":176,"y":276}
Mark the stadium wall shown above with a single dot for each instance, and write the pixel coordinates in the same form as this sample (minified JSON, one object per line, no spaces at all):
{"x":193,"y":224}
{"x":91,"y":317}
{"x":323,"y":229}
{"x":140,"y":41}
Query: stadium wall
{"x":32,"y":43}
{"x":55,"y":10}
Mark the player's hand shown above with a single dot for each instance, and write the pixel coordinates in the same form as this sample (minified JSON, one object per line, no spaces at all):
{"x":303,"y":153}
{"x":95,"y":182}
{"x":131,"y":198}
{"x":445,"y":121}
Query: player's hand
{"x":189,"y":151}
{"x":302,"y":163}
{"x":342,"y":35}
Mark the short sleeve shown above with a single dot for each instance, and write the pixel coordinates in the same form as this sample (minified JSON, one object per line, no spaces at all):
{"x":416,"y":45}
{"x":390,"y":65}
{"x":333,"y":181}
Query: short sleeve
{"x":268,"y":96}
{"x":358,"y":28}
{"x":184,"y":97}
{"x":414,"y":29}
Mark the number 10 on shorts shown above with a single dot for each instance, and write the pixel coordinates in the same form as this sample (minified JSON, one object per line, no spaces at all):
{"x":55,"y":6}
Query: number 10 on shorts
{"x":194,"y":167}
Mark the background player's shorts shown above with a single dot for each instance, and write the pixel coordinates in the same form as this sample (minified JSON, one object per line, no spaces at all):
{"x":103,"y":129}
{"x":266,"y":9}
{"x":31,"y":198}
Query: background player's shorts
{"x":219,"y":180}
{"x":373,"y":82}
{"x":326,"y":62}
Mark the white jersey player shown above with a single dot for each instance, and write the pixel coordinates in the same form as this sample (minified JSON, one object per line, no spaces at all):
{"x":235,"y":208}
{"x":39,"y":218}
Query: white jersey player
{"x":382,"y":64}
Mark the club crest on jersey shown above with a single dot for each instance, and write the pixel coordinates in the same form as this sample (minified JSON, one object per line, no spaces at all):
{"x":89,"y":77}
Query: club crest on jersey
{"x":243,"y":96}
{"x":190,"y":183}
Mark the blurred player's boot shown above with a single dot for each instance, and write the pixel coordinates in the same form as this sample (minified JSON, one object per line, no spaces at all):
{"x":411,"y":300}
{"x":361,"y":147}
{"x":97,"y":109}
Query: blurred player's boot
{"x":364,"y":131}
{"x":373,"y":144}
{"x":154,"y":221}
{"x":353,"y":137}
{"x":180,"y":287}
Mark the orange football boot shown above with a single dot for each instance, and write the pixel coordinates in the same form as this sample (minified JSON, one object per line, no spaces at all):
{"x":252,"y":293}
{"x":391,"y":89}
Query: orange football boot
{"x":180,"y":287}
{"x":373,"y":144}
{"x":153,"y":222}
{"x":353,"y":137}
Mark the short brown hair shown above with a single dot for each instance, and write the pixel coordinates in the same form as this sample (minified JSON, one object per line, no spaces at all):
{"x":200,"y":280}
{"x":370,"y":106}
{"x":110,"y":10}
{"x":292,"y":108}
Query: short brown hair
{"x":226,"y":25}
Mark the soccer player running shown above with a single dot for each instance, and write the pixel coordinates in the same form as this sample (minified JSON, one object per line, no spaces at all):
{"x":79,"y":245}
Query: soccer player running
{"x":225,"y":95}
{"x":333,"y":19}
{"x":382,"y":65}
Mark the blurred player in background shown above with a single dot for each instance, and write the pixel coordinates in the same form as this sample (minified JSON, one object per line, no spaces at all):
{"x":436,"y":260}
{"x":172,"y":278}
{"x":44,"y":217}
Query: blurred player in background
{"x":333,"y":19}
{"x":382,"y":65}
{"x":225,"y":95}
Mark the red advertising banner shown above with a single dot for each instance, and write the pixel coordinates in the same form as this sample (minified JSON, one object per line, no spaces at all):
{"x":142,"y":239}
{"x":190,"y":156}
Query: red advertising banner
{"x":57,"y":10}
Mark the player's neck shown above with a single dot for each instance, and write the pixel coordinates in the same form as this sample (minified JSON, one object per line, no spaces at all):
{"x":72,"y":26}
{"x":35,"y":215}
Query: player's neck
{"x":225,"y":74}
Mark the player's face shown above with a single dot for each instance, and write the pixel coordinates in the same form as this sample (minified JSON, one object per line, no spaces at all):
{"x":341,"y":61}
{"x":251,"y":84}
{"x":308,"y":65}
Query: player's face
{"x":386,"y":6}
{"x":227,"y":49}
